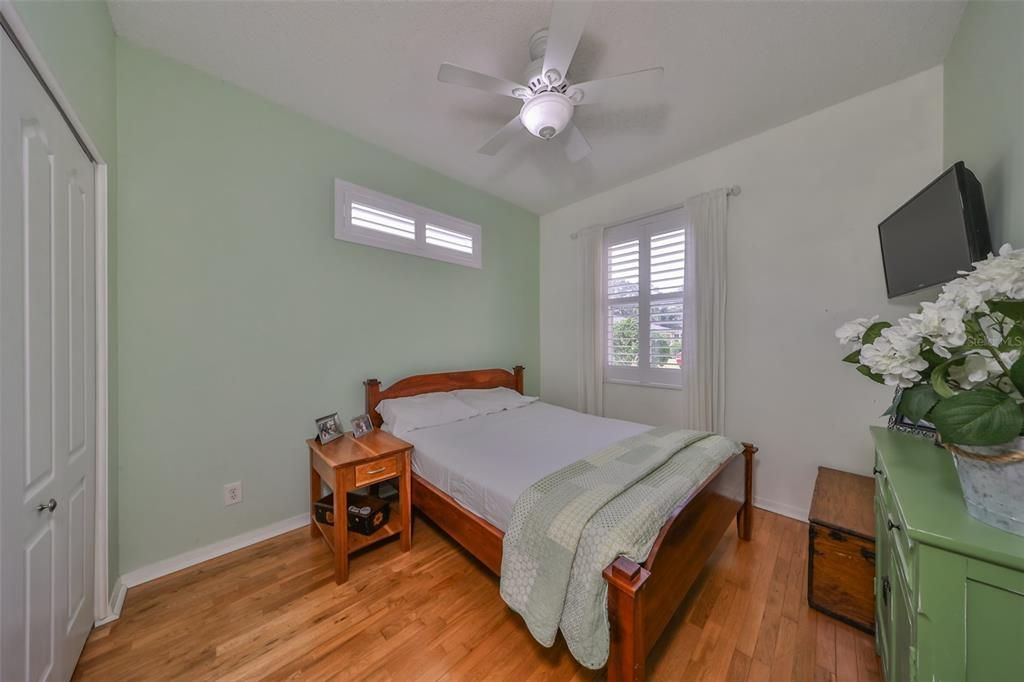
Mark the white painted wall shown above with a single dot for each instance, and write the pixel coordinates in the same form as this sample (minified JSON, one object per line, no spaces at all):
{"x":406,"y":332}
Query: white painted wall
{"x":803,"y":257}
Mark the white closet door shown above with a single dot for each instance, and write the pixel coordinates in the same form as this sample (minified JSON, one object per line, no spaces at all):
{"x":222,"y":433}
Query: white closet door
{"x":47,"y":382}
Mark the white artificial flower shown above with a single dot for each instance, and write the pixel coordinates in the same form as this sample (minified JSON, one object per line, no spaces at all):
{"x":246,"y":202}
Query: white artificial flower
{"x":899,"y":365}
{"x":896,"y":354}
{"x":995,"y":330}
{"x":906,"y":334}
{"x":942,"y":323}
{"x":999,"y":276}
{"x":853,"y":331}
{"x":961,"y":294}
{"x":980,"y":367}
{"x":973,"y":372}
{"x":995,"y":277}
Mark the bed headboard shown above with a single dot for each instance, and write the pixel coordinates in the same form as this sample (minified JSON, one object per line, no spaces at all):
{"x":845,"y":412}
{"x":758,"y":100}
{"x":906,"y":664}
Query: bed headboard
{"x":442,"y":381}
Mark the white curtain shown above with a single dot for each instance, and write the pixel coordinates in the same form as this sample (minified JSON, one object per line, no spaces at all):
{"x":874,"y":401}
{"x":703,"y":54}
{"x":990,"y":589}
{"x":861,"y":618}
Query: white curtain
{"x":590,"y":365}
{"x":704,"y":312}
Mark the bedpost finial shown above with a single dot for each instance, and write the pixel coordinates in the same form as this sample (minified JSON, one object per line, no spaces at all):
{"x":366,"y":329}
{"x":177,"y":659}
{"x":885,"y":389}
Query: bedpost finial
{"x":517,"y":372}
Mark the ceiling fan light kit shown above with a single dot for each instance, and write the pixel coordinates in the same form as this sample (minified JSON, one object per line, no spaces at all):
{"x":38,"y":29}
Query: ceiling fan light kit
{"x":550,"y":100}
{"x":547,"y":114}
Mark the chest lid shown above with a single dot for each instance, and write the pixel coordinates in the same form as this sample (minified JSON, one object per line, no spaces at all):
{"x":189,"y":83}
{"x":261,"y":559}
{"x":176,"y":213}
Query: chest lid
{"x":844,"y":501}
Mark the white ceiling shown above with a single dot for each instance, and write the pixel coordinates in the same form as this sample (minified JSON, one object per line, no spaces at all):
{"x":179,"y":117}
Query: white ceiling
{"x":732,"y":69}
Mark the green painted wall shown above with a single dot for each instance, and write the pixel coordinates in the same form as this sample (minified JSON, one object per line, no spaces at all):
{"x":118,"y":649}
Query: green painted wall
{"x":77,"y":42}
{"x":241,"y":318}
{"x":984,"y":109}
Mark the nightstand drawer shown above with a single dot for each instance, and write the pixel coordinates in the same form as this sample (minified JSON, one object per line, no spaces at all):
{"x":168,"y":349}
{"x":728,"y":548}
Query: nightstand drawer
{"x":376,"y":471}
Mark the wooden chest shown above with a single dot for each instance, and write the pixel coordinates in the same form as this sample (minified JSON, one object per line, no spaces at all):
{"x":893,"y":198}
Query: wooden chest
{"x":841,"y":555}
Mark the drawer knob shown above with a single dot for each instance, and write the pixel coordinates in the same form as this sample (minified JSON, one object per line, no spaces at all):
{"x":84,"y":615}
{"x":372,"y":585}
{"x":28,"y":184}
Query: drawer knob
{"x":892,"y":525}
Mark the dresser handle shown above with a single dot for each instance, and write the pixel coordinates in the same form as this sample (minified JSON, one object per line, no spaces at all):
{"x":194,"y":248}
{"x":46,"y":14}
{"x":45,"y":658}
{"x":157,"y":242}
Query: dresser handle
{"x":371,"y":472}
{"x":885,"y":590}
{"x":892,"y":525}
{"x":876,"y":471}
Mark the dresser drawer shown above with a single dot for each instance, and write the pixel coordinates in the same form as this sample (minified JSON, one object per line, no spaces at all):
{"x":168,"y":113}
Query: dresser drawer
{"x":376,"y":471}
{"x":892,"y":523}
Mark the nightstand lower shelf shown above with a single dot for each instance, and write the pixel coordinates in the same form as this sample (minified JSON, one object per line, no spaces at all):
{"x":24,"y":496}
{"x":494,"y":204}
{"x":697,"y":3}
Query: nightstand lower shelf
{"x":357,"y":541}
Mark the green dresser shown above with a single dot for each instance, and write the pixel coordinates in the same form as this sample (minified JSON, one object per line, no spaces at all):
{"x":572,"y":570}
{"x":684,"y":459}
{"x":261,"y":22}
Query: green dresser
{"x":949,"y":590}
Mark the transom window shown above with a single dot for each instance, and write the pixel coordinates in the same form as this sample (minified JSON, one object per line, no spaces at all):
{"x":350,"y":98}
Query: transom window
{"x":374,"y":219}
{"x":644,"y":267}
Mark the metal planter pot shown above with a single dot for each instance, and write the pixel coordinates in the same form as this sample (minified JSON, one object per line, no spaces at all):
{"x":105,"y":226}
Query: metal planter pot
{"x":992,"y":481}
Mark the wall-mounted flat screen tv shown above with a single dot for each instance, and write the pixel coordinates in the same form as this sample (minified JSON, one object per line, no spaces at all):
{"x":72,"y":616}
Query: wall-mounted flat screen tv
{"x":939,"y":232}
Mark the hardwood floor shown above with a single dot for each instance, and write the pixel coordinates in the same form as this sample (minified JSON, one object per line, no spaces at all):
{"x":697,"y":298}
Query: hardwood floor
{"x":272,"y":611}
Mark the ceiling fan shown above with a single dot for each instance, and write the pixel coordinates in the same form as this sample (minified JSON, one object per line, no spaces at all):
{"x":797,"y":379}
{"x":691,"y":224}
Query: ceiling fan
{"x":549,"y":98}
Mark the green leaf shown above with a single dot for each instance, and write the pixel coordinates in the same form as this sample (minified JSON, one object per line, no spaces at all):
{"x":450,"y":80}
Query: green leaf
{"x":1017,"y":374}
{"x":981,"y":417}
{"x":933,"y":359}
{"x":1012,"y":309}
{"x":1014,"y":339}
{"x":870,"y":375}
{"x":938,"y":378}
{"x":975,"y":335}
{"x":874,"y":331}
{"x":853,"y":358}
{"x":916,"y":402}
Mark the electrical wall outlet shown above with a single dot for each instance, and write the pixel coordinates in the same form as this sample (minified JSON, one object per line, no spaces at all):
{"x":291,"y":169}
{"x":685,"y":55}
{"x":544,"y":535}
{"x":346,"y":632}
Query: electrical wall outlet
{"x":232,"y":493}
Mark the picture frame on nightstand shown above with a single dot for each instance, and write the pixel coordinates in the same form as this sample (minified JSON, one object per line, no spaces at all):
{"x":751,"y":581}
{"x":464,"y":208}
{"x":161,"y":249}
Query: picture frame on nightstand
{"x":328,"y":428}
{"x":361,"y":425}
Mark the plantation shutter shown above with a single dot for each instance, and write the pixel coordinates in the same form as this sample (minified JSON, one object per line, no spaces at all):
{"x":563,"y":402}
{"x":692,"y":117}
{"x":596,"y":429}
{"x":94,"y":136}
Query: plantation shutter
{"x":383,"y":222}
{"x":644,"y":268}
{"x":668,"y":250}
{"x":370,"y":218}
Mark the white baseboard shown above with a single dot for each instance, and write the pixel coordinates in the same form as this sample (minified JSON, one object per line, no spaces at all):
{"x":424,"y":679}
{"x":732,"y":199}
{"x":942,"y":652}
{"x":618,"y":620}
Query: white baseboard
{"x":212,"y":551}
{"x":197,"y":556}
{"x":116,"y":602}
{"x":783,"y":508}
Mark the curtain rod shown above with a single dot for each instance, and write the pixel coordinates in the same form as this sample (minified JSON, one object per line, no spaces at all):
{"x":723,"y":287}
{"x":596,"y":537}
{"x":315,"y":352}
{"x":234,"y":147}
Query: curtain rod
{"x":733,"y":191}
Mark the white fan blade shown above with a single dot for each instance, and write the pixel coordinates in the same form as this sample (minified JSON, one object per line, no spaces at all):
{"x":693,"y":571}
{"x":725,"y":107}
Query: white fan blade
{"x":576,"y":146}
{"x":458,"y":75}
{"x":502,"y":137}
{"x":568,"y":19}
{"x":627,"y":85}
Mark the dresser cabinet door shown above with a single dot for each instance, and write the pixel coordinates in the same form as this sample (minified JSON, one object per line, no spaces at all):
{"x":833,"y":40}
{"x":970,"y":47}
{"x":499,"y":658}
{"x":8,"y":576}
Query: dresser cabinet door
{"x":902,"y":658}
{"x":995,"y":634}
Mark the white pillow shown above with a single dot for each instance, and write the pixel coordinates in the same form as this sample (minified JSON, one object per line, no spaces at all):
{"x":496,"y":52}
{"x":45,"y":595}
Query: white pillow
{"x":402,"y":415}
{"x":491,"y":400}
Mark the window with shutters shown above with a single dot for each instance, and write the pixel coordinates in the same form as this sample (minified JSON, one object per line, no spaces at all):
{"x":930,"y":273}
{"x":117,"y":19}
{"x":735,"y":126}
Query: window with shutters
{"x":644,"y":276}
{"x":374,"y":219}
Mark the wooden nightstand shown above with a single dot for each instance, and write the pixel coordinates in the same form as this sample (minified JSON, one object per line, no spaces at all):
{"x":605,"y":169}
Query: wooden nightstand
{"x":347,"y":464}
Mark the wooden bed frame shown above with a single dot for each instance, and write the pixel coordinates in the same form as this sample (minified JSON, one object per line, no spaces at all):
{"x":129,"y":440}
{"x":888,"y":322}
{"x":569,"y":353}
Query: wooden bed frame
{"x":642,"y":597}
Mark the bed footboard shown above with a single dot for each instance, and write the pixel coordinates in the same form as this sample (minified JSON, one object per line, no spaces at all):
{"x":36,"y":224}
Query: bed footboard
{"x":642,"y":598}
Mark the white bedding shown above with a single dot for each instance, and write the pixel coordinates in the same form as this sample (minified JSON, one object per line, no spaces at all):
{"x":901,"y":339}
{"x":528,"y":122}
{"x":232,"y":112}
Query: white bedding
{"x":486,"y":462}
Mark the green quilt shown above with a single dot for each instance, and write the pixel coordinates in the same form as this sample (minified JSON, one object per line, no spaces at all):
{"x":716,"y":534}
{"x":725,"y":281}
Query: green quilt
{"x":570,"y":525}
